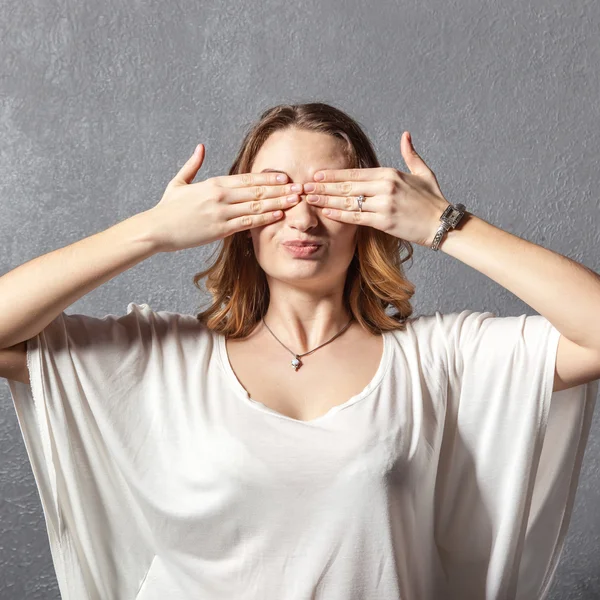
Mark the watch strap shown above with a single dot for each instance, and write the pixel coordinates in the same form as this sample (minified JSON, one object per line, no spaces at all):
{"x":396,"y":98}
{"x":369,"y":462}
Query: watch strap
{"x":449,"y":219}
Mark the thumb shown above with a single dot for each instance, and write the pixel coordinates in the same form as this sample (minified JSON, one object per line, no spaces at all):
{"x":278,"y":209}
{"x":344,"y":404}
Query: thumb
{"x":187,"y":173}
{"x":411,"y":157}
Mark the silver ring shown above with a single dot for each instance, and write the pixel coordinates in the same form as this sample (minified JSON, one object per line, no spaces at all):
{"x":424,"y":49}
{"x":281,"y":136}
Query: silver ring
{"x":360,"y":199}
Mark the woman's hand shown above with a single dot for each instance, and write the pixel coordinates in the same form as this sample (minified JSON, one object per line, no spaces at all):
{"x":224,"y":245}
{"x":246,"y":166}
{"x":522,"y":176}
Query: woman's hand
{"x":194,"y":214}
{"x":404,"y":205}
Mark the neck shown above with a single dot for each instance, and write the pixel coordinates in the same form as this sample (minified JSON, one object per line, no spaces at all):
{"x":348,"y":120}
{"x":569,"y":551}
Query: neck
{"x":301,"y":332}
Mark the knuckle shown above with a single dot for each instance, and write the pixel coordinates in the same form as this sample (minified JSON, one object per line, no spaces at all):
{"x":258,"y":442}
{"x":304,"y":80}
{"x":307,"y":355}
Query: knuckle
{"x":260,"y":191}
{"x":213,"y":190}
{"x":246,"y":221}
{"x":247,"y":178}
{"x":354,"y":174}
{"x":356,"y":217}
{"x":255,"y":206}
{"x":390,"y":174}
{"x":219,"y":193}
{"x":346,"y":187}
{"x":390,"y":186}
{"x":349,"y":202}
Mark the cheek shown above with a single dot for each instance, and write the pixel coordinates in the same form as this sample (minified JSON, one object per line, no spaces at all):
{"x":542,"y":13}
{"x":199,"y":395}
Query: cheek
{"x":343,"y":242}
{"x":347,"y":233}
{"x":264,"y":236}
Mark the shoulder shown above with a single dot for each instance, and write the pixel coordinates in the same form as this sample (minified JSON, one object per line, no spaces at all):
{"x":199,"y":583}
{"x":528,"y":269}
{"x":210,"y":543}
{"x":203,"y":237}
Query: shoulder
{"x":136,"y":336}
{"x":439,"y":326}
{"x":165,"y":325}
{"x":143,"y":313}
{"x":469,"y":327}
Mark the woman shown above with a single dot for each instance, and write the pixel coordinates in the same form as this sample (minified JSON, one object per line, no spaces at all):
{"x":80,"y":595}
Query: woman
{"x":294,"y":440}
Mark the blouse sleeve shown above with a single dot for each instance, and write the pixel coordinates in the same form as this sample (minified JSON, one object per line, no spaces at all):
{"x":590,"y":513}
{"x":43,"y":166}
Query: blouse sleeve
{"x":510,"y":456}
{"x":93,"y":396}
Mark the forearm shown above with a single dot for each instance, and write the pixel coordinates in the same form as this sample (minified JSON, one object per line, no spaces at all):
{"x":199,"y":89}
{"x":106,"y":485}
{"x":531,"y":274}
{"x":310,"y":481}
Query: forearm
{"x":36,"y":292}
{"x":560,"y":289}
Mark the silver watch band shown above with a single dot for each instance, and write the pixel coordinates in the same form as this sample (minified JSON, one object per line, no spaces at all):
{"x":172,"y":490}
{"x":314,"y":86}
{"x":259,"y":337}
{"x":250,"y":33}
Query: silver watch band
{"x":450,"y":218}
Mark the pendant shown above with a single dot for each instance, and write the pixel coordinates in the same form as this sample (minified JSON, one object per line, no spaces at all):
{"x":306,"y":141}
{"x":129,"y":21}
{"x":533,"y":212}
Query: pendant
{"x":296,"y":363}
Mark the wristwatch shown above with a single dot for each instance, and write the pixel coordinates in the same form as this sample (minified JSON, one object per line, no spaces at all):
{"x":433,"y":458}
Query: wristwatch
{"x":449,"y":220}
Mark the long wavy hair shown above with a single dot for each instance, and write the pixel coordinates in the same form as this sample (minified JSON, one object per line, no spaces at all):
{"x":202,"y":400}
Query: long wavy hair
{"x":375,"y":278}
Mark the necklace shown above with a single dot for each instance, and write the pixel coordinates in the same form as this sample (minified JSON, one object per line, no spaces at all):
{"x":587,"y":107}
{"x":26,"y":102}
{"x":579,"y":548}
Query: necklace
{"x":296,"y":362}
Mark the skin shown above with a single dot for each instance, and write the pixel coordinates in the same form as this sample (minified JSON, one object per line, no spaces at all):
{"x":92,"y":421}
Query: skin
{"x":305,"y":293}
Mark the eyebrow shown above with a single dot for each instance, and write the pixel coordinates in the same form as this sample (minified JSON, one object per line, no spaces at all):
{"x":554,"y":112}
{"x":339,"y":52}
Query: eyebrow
{"x":279,"y":171}
{"x":274,"y":171}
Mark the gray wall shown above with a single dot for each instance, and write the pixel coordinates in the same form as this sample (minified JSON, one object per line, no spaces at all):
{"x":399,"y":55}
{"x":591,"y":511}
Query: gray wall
{"x":102,"y":103}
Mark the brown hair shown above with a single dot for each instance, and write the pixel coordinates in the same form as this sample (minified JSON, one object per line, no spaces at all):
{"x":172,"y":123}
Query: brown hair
{"x":375,"y":279}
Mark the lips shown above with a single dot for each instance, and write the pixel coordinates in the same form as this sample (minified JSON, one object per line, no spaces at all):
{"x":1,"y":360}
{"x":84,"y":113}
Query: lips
{"x":301,"y":244}
{"x":303,"y":251}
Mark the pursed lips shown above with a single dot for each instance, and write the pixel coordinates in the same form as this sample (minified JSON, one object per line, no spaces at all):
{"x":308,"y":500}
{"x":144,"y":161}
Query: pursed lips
{"x":301,"y":243}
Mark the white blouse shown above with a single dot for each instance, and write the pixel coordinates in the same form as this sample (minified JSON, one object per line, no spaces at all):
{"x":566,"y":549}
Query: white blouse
{"x":451,"y":475}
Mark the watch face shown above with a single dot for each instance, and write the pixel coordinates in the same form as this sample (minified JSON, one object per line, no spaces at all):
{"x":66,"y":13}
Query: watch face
{"x":452,"y":215}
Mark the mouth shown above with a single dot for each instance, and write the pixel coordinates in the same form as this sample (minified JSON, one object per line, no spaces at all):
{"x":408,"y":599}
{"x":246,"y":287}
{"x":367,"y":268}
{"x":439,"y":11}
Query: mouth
{"x":302,"y":250}
{"x":302,"y":243}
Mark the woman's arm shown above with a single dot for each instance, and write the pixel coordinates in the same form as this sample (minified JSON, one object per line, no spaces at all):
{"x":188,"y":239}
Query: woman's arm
{"x":563,"y":291}
{"x":36,"y":292}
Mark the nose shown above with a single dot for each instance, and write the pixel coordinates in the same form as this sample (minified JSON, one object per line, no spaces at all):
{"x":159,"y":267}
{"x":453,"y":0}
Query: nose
{"x":302,"y":215}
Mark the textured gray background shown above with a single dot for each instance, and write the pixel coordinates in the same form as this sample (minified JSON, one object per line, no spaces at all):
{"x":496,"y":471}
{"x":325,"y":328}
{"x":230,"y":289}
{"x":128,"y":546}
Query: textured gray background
{"x":101,"y":103}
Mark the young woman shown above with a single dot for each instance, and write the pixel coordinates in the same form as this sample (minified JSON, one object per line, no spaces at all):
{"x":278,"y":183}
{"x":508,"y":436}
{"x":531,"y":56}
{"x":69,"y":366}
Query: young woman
{"x":295,"y":440}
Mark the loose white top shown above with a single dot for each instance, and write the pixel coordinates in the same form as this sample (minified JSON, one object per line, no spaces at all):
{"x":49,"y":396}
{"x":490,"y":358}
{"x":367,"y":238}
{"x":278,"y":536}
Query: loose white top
{"x":451,"y":475}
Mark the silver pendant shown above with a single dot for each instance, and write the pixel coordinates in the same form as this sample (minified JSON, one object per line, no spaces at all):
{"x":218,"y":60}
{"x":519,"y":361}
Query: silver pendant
{"x":296,"y":363}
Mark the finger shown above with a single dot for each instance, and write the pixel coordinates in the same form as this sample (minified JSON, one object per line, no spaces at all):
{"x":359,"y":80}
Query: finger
{"x":241,"y":180}
{"x":366,"y":174}
{"x":189,"y":170}
{"x":347,"y":188}
{"x":414,"y":162}
{"x":257,"y":207}
{"x":354,"y":217}
{"x":261,"y":192}
{"x":246,"y":221}
{"x":347,"y":203}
